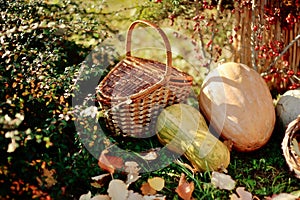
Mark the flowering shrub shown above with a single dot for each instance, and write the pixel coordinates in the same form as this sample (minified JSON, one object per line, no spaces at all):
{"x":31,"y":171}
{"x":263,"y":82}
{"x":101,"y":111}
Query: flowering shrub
{"x":260,"y":34}
{"x":267,"y":41}
{"x":39,"y":147}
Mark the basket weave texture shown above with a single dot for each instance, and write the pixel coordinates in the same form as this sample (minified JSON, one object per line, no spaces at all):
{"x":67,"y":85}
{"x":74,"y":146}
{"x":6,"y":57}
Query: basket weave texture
{"x":291,"y":146}
{"x":134,"y":92}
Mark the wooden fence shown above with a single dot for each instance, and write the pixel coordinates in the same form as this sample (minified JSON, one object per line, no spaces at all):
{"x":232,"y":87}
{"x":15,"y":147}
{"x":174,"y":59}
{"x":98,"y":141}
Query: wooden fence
{"x":259,"y":38}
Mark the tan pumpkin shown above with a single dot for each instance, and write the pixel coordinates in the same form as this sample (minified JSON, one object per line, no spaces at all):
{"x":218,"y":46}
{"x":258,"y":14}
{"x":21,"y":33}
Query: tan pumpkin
{"x":238,"y":104}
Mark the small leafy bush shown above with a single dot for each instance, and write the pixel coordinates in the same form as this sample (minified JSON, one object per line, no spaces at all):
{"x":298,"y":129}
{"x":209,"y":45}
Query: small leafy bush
{"x":41,"y":155}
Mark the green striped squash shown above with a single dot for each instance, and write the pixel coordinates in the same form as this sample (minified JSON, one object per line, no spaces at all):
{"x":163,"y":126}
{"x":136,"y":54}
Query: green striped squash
{"x":183,"y":130}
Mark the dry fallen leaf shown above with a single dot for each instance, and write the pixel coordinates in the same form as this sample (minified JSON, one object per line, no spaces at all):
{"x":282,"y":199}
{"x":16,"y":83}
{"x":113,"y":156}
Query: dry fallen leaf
{"x":132,"y":169}
{"x":222,"y":181}
{"x":296,"y":193}
{"x":100,"y":177}
{"x":155,"y":197}
{"x":147,"y":189}
{"x":117,"y":190}
{"x":96,"y":185}
{"x":284,"y":196}
{"x":101,"y":197}
{"x":157,"y":183}
{"x":86,"y":196}
{"x":48,"y":178}
{"x":109,"y":163}
{"x":243,"y":195}
{"x":134,"y":196}
{"x":184,"y":188}
{"x":101,"y":180}
{"x":150,"y":155}
{"x":132,"y":178}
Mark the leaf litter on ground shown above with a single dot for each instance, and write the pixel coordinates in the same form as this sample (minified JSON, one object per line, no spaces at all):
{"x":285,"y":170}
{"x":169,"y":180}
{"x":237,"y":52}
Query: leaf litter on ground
{"x":185,"y":189}
{"x":118,"y":189}
{"x":109,"y":163}
{"x":222,"y":181}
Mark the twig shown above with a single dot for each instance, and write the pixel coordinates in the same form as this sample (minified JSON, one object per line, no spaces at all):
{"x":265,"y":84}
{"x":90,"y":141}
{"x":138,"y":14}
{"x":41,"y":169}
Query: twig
{"x":253,"y":36}
{"x":213,"y":33}
{"x":201,"y":43}
{"x":284,"y":51}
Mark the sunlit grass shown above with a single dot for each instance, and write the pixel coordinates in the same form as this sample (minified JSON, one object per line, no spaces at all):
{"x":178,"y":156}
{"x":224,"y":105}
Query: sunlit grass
{"x":263,"y":172}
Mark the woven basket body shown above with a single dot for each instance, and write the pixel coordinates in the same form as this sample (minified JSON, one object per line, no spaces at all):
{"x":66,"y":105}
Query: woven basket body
{"x":137,"y":89}
{"x":291,"y":146}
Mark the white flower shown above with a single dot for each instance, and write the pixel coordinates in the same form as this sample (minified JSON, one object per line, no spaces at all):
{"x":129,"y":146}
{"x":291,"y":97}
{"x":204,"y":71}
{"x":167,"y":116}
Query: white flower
{"x":7,"y":118}
{"x":19,"y":116}
{"x":89,"y":111}
{"x":12,"y":146}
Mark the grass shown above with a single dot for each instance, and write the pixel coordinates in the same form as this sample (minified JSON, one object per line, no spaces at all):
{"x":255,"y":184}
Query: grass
{"x":263,"y":172}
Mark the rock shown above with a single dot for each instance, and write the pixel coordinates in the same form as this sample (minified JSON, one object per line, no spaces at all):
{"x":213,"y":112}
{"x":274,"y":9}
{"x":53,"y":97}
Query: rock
{"x":288,"y":107}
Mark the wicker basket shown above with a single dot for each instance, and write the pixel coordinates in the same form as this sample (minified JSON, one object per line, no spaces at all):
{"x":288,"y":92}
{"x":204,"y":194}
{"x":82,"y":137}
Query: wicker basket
{"x":135,"y":91}
{"x":291,"y":146}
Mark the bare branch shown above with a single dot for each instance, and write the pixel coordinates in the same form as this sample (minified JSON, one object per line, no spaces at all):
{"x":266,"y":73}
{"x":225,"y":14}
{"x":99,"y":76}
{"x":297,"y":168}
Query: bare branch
{"x":253,"y":56}
{"x":213,"y":33}
{"x":284,"y":51}
{"x":199,"y":33}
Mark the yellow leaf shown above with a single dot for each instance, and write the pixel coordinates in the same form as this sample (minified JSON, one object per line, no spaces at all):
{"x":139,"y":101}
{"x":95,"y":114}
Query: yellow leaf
{"x":61,"y":99}
{"x":25,"y":93}
{"x":157,"y":183}
{"x":14,"y":84}
{"x":96,"y":185}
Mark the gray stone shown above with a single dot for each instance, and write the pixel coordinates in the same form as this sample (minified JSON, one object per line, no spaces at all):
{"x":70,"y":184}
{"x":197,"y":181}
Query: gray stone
{"x":288,"y":107}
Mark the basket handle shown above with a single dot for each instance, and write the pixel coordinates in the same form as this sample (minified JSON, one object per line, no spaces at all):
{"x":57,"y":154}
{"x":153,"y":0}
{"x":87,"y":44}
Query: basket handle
{"x":165,"y":39}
